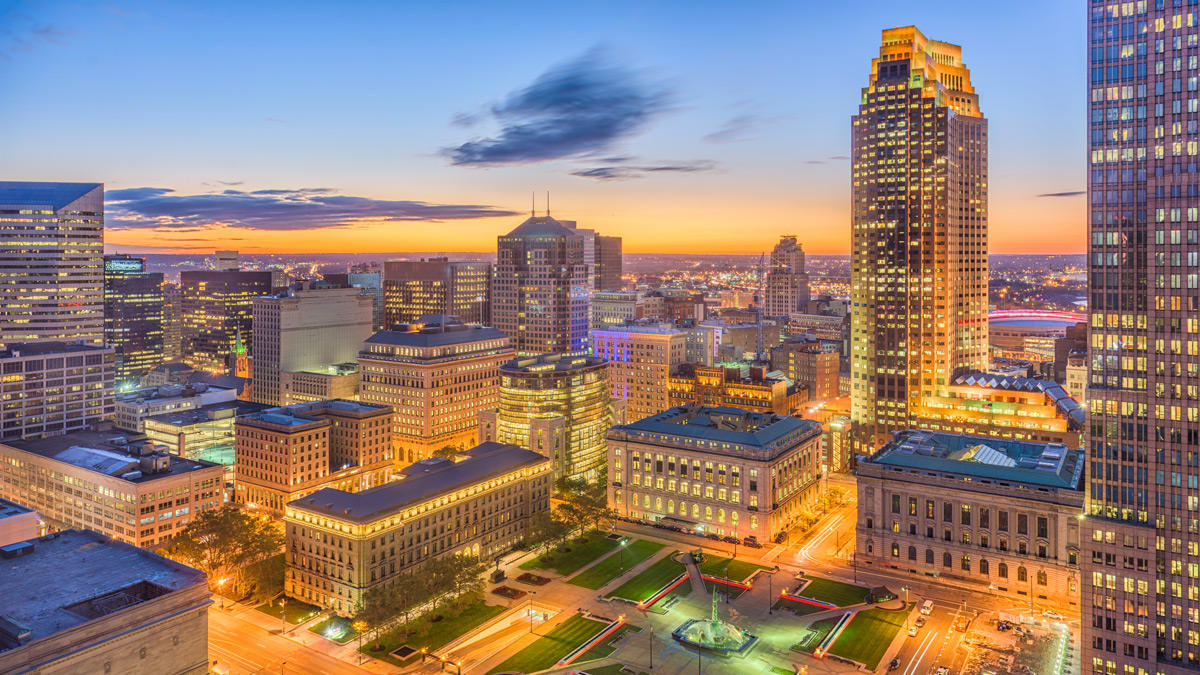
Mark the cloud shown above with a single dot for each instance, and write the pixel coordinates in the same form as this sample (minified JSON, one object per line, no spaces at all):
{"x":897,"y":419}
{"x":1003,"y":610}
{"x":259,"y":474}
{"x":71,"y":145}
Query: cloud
{"x":814,"y":161}
{"x":272,"y":210}
{"x":572,"y":110}
{"x":23,"y":35}
{"x":1074,"y":193}
{"x":734,"y":130}
{"x":839,"y":157}
{"x":627,"y":172}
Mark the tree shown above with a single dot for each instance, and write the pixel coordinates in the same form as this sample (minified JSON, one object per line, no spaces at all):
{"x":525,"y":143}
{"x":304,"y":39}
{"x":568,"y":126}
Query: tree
{"x":225,"y":541}
{"x":574,"y":515}
{"x":541,"y":532}
{"x":467,"y":579}
{"x":446,"y":451}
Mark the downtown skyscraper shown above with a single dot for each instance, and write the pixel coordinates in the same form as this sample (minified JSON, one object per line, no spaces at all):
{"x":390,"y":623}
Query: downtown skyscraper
{"x":1141,"y":534}
{"x":787,"y":289}
{"x":919,"y":268}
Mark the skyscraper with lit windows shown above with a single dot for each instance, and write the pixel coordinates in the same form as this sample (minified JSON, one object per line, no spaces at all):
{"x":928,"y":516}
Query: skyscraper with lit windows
{"x":919,"y":268}
{"x":1141,"y":535}
{"x":133,"y":316}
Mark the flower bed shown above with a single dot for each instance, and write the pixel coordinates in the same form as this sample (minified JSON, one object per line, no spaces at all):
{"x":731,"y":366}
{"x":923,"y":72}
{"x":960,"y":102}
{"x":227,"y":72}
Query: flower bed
{"x":533,"y":579}
{"x":510,"y":593}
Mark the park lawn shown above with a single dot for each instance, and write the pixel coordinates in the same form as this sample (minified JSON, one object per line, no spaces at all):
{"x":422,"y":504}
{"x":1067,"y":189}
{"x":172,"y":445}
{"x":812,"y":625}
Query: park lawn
{"x":567,"y":564}
{"x":729,"y":568}
{"x":733,"y":592}
{"x":817,"y":631}
{"x":797,"y":608}
{"x":297,"y":612}
{"x":610,"y":568}
{"x":610,"y":669}
{"x":606,"y":647}
{"x":650,"y":580}
{"x":432,"y":635}
{"x":868,"y":635}
{"x":681,"y":591}
{"x":556,"y":644}
{"x":335,"y":628}
{"x":840,"y":594}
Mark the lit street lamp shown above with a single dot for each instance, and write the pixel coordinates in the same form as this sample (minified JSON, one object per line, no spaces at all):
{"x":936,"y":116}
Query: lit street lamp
{"x":531,"y":594}
{"x":623,"y":554}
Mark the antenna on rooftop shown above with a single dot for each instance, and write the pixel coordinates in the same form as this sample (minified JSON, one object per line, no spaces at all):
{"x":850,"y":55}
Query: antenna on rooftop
{"x":547,"y":203}
{"x":532,"y":203}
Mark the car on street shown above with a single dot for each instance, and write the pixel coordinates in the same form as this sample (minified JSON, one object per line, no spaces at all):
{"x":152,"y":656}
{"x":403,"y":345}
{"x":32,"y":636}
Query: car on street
{"x":920,"y":621}
{"x":942,"y":670}
{"x":1051,"y":614}
{"x":912,"y":631}
{"x":894,"y":664}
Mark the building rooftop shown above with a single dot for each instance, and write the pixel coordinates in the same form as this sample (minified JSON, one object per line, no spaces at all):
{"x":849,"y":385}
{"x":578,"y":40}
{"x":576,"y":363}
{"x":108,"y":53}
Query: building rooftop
{"x":54,"y":195}
{"x":225,"y":409}
{"x":422,"y":481}
{"x":77,"y":576}
{"x":302,"y":414}
{"x":542,"y":226}
{"x":644,"y":326}
{"x":1070,"y":409}
{"x":45,"y":348}
{"x":1044,"y":464}
{"x":550,"y":363}
{"x":9,"y":509}
{"x":434,"y":330}
{"x":113,"y":453}
{"x":724,"y":424}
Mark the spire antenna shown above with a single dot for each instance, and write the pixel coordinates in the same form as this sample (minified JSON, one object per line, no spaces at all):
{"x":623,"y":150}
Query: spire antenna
{"x":547,"y":203}
{"x":532,"y":203}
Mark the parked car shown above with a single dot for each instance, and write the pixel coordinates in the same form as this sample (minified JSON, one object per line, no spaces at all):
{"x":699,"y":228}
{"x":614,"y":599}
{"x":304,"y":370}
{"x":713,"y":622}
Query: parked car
{"x":942,"y":670}
{"x":912,"y":630}
{"x":729,"y":540}
{"x":780,"y":537}
{"x":894,"y":664}
{"x":752,"y":544}
{"x":713,"y":536}
{"x":920,"y":621}
{"x":1051,"y":614}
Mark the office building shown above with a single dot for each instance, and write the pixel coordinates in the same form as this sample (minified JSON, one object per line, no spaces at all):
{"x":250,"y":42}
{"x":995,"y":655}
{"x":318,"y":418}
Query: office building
{"x":309,"y":327}
{"x":919,"y":269}
{"x":77,"y":603}
{"x":703,"y":341}
{"x":205,"y":433}
{"x":438,"y":375}
{"x":675,"y":304}
{"x":787,"y":289}
{"x":367,"y":277}
{"x":17,"y":523}
{"x":172,"y":322}
{"x":560,"y":407}
{"x":52,"y":274}
{"x":112,"y":482}
{"x":131,"y":408}
{"x":614,"y":307}
{"x":610,"y":264}
{"x":835,"y":445}
{"x":416,"y":288}
{"x":807,"y":362}
{"x":1140,"y":535}
{"x":728,"y":387}
{"x":227,"y":261}
{"x":478,"y":506}
{"x":715,"y":469}
{"x":540,"y":288}
{"x":641,"y":357}
{"x":217,"y":313}
{"x":53,"y":388}
{"x":1076,"y":380}
{"x":1003,"y":515}
{"x":337,"y":381}
{"x":133,"y":317}
{"x":1004,"y":407}
{"x":283,"y":454}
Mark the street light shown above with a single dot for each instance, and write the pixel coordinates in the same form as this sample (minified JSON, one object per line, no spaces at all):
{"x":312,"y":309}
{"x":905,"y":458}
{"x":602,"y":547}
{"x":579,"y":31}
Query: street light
{"x":651,"y":646}
{"x":531,"y":594}
{"x":907,"y":611}
{"x":221,"y":590}
{"x":771,"y":590}
{"x":283,"y":615}
{"x":623,"y":554}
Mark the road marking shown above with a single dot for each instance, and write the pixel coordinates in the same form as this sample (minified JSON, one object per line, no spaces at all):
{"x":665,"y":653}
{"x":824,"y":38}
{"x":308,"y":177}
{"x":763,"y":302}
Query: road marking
{"x":774,"y":552}
{"x":920,"y":655}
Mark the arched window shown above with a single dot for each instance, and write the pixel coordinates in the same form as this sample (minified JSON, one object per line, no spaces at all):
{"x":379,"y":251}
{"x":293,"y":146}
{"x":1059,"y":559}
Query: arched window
{"x":1041,"y":577}
{"x":965,"y":563}
{"x":983,"y":567}
{"x":947,"y":560}
{"x":754,"y":522}
{"x":1002,"y":570}
{"x":720,"y":515}
{"x":696,"y":511}
{"x":928,"y":556}
{"x":912,"y":552}
{"x":733,"y":518}
{"x":708,"y":513}
{"x":617,"y":496}
{"x":658,"y":503}
{"x":1022,"y":575}
{"x":895,"y":550}
{"x":671,"y":506}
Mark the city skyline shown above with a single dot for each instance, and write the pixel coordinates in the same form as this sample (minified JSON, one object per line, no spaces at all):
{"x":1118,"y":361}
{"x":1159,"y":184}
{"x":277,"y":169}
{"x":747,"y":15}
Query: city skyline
{"x":717,"y":133}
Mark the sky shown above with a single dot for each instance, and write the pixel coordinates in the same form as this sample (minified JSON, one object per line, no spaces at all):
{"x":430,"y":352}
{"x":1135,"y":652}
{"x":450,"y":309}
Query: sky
{"x":683,"y":127}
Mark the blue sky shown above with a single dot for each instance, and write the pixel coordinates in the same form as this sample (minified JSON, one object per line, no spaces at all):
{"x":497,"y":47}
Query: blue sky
{"x":368,"y":100}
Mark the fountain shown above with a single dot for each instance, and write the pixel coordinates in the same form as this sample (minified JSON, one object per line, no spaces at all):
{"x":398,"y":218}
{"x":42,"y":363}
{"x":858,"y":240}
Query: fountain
{"x":715,"y":635}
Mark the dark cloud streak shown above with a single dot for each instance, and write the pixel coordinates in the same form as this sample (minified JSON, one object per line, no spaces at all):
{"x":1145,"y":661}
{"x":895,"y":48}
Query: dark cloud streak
{"x":607,"y":173}
{"x":1074,"y":193}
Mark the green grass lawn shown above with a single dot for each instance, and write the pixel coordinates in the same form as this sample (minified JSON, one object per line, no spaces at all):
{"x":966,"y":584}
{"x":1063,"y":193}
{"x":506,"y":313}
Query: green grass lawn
{"x":868,"y":636}
{"x":817,"y":631}
{"x":434,"y":635}
{"x":729,"y":568}
{"x":610,"y":669}
{"x":556,"y":644}
{"x":732,"y":591}
{"x":335,"y":628}
{"x":797,"y":608}
{"x":840,"y":594}
{"x":605,"y":648}
{"x":681,"y":591}
{"x":567,"y":564}
{"x":297,"y":612}
{"x":610,"y":568}
{"x":649,"y":580}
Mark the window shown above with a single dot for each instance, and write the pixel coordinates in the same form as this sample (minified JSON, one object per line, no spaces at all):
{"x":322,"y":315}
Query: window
{"x":1041,"y":577}
{"x":895,"y":503}
{"x":895,"y":550}
{"x":912,"y":552}
{"x":929,"y":532}
{"x":983,"y":566}
{"x":928,"y":508}
{"x":985,"y":519}
{"x":928,"y":556}
{"x":947,"y":560}
{"x":1022,"y":523}
{"x":1002,"y":570}
{"x":1002,"y":521}
{"x":1042,"y":527}
{"x":912,"y":506}
{"x":948,"y":512}
{"x":870,"y":523}
{"x":966,"y":514}
{"x":1041,"y":550}
{"x":1022,"y":575}
{"x":965,"y":563}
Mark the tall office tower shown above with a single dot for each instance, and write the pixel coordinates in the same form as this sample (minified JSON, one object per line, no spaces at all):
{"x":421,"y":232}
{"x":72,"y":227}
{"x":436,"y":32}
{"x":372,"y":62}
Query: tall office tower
{"x":558,"y":406}
{"x":172,"y":322}
{"x":227,"y":261}
{"x":610,"y":264}
{"x":307,"y":328}
{"x":1140,"y":535}
{"x":919,"y":269}
{"x":216,"y":308}
{"x":413,"y":289}
{"x":540,"y":288}
{"x":133,"y":316}
{"x":438,"y":374}
{"x":51,"y":271}
{"x":787,"y":283}
{"x":369,"y":278}
{"x":641,"y":358}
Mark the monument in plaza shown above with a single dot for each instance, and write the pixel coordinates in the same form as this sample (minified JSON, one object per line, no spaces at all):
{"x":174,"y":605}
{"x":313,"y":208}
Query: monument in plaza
{"x":714,"y":634}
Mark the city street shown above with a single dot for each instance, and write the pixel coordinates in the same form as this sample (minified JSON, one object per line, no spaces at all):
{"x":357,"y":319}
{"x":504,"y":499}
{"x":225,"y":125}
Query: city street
{"x":249,"y":648}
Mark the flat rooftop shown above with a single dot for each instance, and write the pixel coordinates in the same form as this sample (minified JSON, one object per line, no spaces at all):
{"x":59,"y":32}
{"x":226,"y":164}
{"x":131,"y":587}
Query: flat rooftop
{"x":225,"y":409}
{"x":1043,"y":464}
{"x":551,"y":363}
{"x":421,"y":482}
{"x":9,"y":509}
{"x":47,"y":348}
{"x":76,"y":576}
{"x":722,"y":423}
{"x":106,"y":452}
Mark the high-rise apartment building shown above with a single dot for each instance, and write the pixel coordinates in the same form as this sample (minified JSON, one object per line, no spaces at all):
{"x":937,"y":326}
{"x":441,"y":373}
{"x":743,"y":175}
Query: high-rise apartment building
{"x":558,"y":406}
{"x":53,"y":388}
{"x":306,"y":328}
{"x":217,"y":311}
{"x":919,"y":269}
{"x":1140,"y":535}
{"x":787,"y":290}
{"x":133,"y":317}
{"x":438,"y":374}
{"x":540,"y":288}
{"x":51,"y":267}
{"x":416,"y":288}
{"x":641,"y":357}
